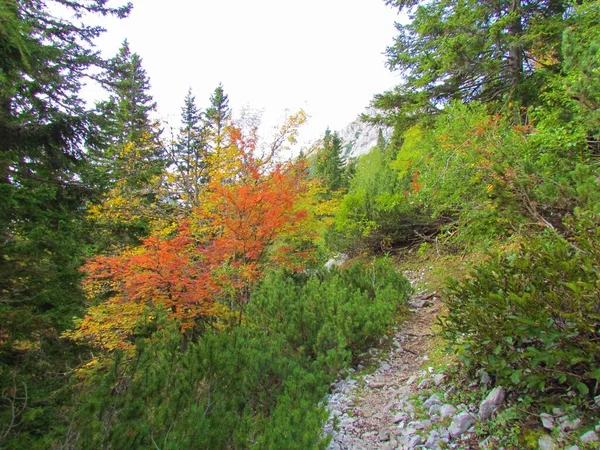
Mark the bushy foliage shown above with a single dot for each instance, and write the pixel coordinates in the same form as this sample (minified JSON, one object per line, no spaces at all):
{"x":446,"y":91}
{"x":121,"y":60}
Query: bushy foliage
{"x":375,"y":213}
{"x":333,"y":311}
{"x":258,"y":385}
{"x":530,"y":316}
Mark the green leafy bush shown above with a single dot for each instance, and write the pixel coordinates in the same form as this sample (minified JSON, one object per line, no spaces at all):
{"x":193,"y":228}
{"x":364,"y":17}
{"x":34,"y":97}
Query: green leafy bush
{"x":531,"y":318}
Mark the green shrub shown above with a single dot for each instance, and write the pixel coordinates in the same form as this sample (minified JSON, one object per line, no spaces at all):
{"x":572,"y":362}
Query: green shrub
{"x":531,"y":318}
{"x":258,"y":385}
{"x":341,"y":311}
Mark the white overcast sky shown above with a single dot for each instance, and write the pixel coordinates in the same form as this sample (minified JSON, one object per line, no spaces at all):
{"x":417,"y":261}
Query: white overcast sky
{"x":325,"y":56}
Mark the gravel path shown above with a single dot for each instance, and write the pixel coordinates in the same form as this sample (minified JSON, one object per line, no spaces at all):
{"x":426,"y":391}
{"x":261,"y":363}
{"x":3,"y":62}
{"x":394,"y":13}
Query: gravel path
{"x":366,"y":409}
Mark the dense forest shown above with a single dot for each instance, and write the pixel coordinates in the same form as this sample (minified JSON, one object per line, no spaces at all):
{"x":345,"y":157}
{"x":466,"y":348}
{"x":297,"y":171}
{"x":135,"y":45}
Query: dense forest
{"x":169,"y":290}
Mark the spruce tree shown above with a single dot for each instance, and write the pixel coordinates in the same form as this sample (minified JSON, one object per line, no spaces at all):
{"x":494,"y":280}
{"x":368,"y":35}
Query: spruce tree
{"x":187,"y":155}
{"x":218,"y":116}
{"x":44,"y":58}
{"x":330,"y":163}
{"x":124,"y":120}
{"x":129,"y":159}
{"x":473,"y":50}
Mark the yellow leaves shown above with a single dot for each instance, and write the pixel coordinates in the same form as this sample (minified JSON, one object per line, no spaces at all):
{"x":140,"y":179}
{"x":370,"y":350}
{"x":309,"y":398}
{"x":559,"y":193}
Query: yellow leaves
{"x":108,"y":325}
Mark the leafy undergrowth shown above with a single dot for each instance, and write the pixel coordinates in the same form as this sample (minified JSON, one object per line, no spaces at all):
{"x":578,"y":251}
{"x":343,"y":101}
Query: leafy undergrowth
{"x":257,"y":385}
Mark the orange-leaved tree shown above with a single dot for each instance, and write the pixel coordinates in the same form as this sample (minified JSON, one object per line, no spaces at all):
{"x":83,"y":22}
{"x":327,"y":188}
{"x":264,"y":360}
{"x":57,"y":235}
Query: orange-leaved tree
{"x":204,"y":271}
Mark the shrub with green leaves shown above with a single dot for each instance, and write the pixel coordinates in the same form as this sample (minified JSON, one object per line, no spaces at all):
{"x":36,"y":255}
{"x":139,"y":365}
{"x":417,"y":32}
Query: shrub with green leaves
{"x":531,"y":318}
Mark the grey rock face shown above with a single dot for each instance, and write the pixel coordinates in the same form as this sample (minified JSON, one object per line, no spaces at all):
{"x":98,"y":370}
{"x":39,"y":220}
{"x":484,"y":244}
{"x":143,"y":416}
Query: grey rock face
{"x":461,"y":423}
{"x":359,"y":137}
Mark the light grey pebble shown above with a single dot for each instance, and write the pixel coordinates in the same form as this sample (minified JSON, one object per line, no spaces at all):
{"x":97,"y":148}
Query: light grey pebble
{"x":438,"y":378}
{"x":570,"y":425}
{"x":432,"y":440}
{"x":434,"y":409}
{"x":414,"y":441}
{"x":547,"y":421}
{"x":486,"y":380}
{"x":400,"y":417}
{"x":589,"y":437}
{"x":433,"y":400}
{"x":449,"y":392}
{"x":486,"y":409}
{"x":545,"y":442}
{"x":461,"y":423}
{"x":385,"y":367}
{"x":496,"y":395}
{"x":447,"y":410}
{"x":383,"y":436}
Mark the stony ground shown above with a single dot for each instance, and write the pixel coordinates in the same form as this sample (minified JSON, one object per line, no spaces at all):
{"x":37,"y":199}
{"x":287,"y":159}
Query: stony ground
{"x":405,"y":404}
{"x":367,"y":411}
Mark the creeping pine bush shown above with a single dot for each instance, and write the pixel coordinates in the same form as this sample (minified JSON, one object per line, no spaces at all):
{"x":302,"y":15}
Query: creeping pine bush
{"x":258,"y":385}
{"x":532,"y":318}
{"x":338,"y":312}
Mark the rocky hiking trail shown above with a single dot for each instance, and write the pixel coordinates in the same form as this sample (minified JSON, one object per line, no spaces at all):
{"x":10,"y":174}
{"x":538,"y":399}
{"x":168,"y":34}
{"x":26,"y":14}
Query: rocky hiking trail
{"x":373,"y":412}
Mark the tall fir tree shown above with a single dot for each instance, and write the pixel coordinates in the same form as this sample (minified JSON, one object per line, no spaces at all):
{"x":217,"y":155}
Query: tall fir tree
{"x":188,"y":155}
{"x":218,"y":116}
{"x":130,"y":163}
{"x":330,"y":163}
{"x":473,"y":50}
{"x":44,"y":58}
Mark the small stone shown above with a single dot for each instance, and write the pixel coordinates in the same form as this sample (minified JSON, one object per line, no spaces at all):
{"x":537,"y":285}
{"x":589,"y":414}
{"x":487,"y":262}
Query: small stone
{"x":485,"y":444}
{"x":424,"y":384}
{"x":447,"y":410}
{"x":383,"y":436}
{"x":570,"y":425}
{"x":589,"y":437}
{"x":435,"y":418}
{"x":496,"y":395}
{"x":547,"y":421}
{"x":487,"y":409}
{"x":433,"y":400}
{"x":419,"y":425}
{"x":438,"y":378}
{"x":449,"y":392}
{"x":400,"y":417}
{"x":461,"y":423}
{"x":414,"y":441}
{"x":545,"y":442}
{"x":411,"y":380}
{"x":574,"y":447}
{"x":385,"y":367}
{"x":557,"y":412}
{"x":376,"y":385}
{"x":432,"y":440}
{"x":486,"y":380}
{"x":360,"y":367}
{"x":434,"y":409}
